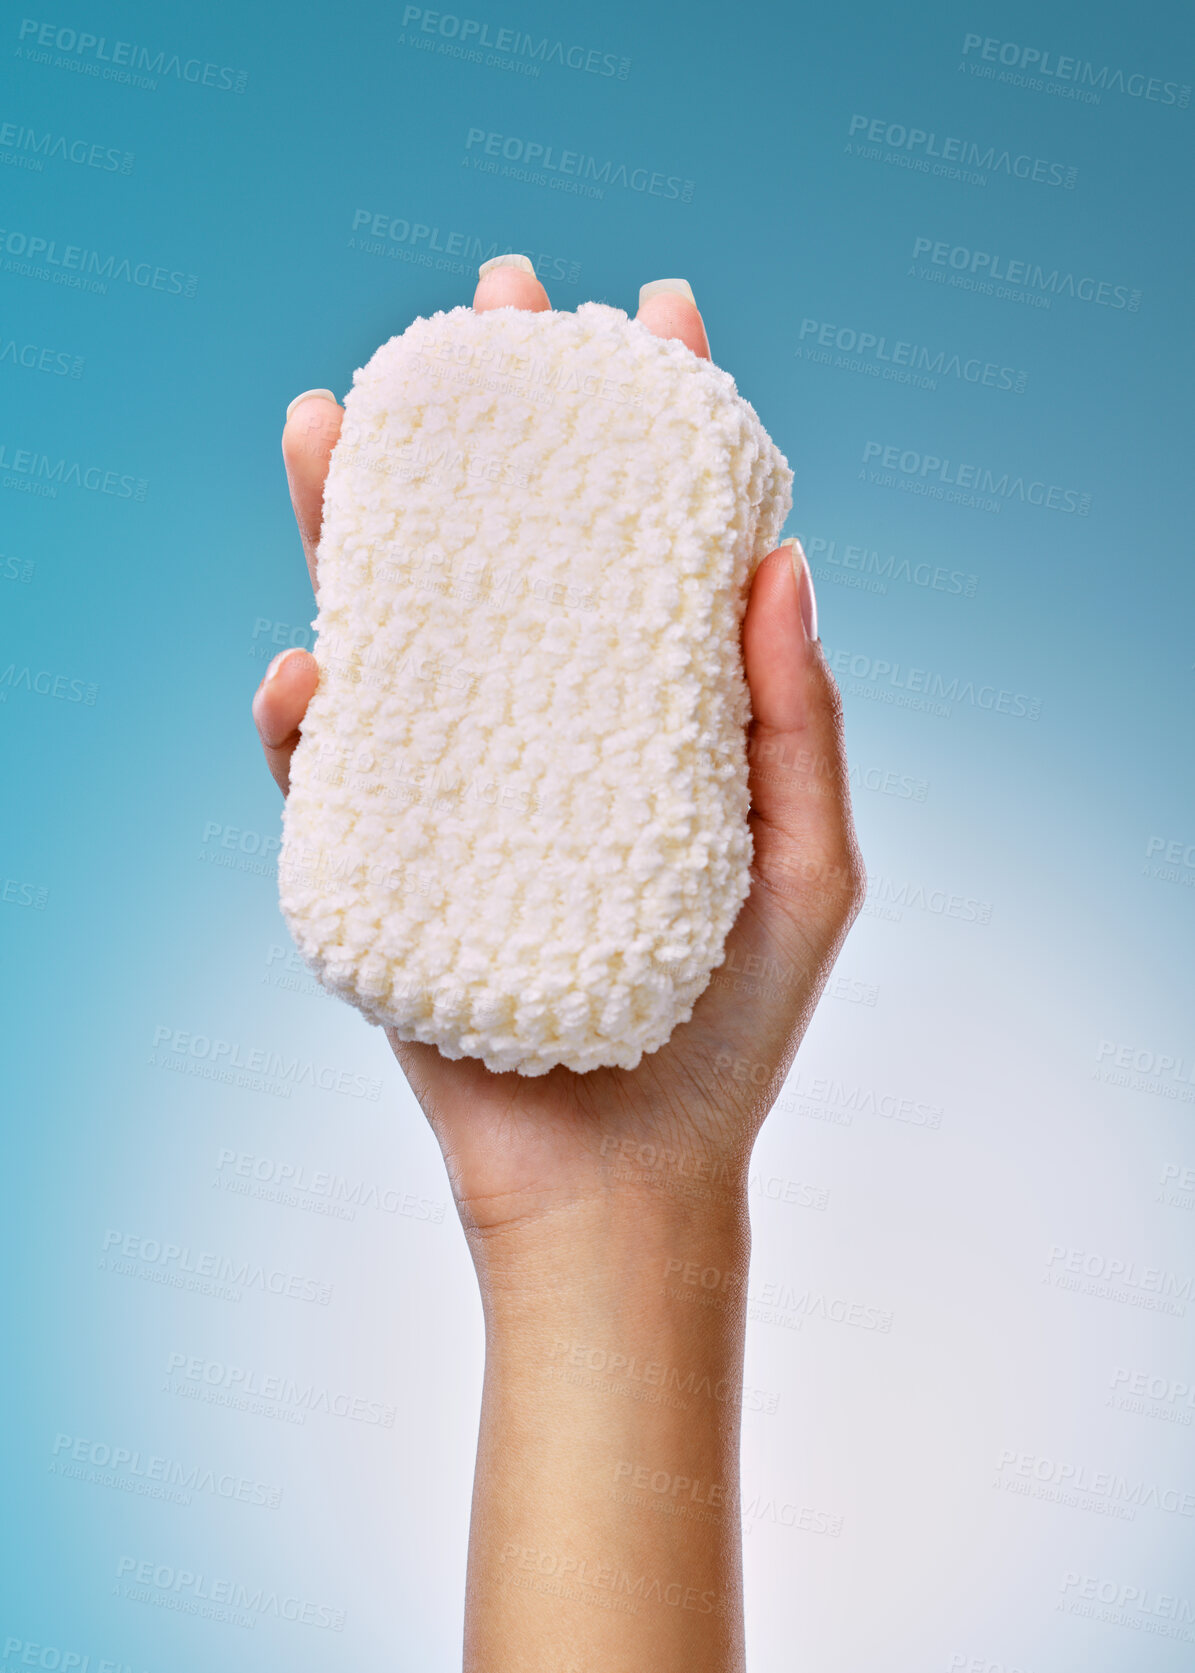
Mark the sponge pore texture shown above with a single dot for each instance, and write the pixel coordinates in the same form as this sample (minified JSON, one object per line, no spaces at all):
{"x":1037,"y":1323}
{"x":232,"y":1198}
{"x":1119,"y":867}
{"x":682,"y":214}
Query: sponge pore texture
{"x":517,"y":822}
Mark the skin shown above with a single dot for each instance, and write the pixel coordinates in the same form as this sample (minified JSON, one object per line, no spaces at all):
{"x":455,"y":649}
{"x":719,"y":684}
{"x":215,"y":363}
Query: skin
{"x":605,"y":1531}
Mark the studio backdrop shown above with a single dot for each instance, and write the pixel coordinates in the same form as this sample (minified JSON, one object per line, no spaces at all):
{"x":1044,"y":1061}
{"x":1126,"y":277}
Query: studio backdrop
{"x":944,"y":251}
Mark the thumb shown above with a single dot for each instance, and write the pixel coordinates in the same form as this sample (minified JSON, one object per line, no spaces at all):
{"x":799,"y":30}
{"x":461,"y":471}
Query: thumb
{"x":806,"y":853}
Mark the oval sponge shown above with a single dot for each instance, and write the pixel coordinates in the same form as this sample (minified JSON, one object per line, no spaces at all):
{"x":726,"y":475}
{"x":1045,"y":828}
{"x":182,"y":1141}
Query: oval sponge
{"x":517,"y":822}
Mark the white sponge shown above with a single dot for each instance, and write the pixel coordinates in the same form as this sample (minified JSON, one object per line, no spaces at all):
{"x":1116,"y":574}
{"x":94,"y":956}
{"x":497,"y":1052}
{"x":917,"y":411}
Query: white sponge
{"x":517,"y":823}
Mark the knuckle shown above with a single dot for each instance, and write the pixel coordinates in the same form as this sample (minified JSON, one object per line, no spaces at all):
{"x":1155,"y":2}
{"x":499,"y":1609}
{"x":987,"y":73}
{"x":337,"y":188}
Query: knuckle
{"x":844,"y":879}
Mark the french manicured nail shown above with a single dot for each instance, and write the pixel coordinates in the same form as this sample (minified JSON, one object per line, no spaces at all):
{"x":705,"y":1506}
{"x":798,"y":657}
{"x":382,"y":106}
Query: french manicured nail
{"x":677,"y":287}
{"x":311,"y":394}
{"x":276,"y":664}
{"x":523,"y":263}
{"x":805,"y":593}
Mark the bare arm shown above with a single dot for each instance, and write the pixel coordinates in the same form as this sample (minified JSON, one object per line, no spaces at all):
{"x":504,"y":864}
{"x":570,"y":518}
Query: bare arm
{"x":605,"y":1528}
{"x":606,"y":1212}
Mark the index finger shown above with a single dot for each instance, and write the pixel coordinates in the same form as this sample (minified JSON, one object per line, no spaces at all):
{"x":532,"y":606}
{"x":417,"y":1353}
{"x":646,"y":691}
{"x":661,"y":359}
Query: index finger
{"x":313,"y":419}
{"x":313,"y":422}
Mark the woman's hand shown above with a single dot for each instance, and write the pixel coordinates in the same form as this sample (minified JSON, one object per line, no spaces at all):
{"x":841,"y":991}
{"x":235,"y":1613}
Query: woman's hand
{"x":518,"y":1147}
{"x":613,"y":1384}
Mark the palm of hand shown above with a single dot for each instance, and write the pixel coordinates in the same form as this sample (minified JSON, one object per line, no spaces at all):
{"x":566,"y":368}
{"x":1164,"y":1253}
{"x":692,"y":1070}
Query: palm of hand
{"x":518,"y":1147}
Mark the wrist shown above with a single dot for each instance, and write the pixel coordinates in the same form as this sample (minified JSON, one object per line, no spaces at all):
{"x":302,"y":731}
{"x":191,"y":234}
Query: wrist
{"x":613,"y":1392}
{"x":598,"y":1257}
{"x":615,"y":1186}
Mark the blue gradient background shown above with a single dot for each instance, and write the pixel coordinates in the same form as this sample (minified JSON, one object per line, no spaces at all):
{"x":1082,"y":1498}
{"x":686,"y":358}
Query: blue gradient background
{"x":144,"y":816}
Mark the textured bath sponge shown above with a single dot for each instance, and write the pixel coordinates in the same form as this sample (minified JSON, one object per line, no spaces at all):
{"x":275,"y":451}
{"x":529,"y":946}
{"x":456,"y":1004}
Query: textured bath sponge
{"x":517,"y":822}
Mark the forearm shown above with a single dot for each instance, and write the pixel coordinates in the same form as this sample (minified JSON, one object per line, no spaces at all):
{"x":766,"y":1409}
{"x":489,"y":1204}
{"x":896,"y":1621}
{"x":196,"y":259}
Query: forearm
{"x":606,"y":1532}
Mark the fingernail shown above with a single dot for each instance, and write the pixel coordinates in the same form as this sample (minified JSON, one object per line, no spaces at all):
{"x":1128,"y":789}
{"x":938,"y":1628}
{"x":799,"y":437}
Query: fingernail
{"x":276,"y":664}
{"x":678,"y":287}
{"x":307,"y":395}
{"x":523,"y":263}
{"x":805,"y":593}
